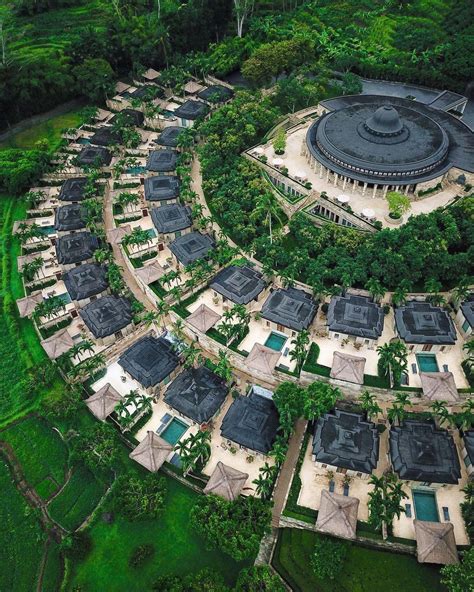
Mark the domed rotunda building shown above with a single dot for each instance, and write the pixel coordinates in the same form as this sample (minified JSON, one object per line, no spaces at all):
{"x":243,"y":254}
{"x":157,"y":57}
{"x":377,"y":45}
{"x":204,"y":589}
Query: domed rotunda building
{"x":382,"y":143}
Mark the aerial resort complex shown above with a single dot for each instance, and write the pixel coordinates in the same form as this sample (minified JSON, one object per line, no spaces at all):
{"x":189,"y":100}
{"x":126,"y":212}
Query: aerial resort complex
{"x":237,"y":296}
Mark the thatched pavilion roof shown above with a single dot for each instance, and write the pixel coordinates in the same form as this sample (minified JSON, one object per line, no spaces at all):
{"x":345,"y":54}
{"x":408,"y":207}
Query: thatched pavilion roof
{"x":262,"y":359}
{"x":27,"y":305}
{"x":57,"y":344}
{"x":337,"y":514}
{"x":103,"y":402}
{"x":435,"y":542}
{"x":203,"y":318}
{"x":151,"y":452}
{"x":226,"y":482}
{"x":439,"y":386}
{"x":348,"y":368}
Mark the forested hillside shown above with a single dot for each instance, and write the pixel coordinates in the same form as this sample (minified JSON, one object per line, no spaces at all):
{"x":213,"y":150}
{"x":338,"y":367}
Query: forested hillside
{"x":49,"y":47}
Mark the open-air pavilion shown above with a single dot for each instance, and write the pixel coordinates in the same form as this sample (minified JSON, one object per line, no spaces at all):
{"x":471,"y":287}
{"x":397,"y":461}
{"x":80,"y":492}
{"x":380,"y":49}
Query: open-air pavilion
{"x":435,"y":542}
{"x":27,"y":305}
{"x":203,"y":318}
{"x":115,"y":235}
{"x":262,"y":359}
{"x":226,"y":482}
{"x":149,"y":273}
{"x":58,"y":344}
{"x":337,"y":515}
{"x":103,"y":402}
{"x":439,"y":386}
{"x":348,"y":368}
{"x":152,"y":452}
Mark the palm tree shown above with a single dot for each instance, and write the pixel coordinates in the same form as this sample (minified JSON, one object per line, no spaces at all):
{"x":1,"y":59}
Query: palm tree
{"x":31,"y":269}
{"x":377,"y":291}
{"x":393,"y":359}
{"x":402,"y":399}
{"x":223,"y":367}
{"x":32,"y":198}
{"x":200,"y":446}
{"x":83,"y":346}
{"x":385,"y":501}
{"x":399,"y":296}
{"x":299,"y":351}
{"x":149,"y":317}
{"x":178,"y":329}
{"x":102,"y":256}
{"x":162,"y":309}
{"x":461,"y":291}
{"x":396,"y":414}
{"x":192,"y":355}
{"x":440,"y":412}
{"x":263,"y":486}
{"x":266,"y":209}
{"x":369,"y":404}
{"x":469,"y":348}
{"x":137,"y":237}
{"x":49,"y":308}
{"x":279,"y":450}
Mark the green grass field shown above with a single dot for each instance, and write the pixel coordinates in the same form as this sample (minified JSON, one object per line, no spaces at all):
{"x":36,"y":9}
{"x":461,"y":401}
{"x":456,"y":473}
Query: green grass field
{"x":77,"y":500}
{"x":178,"y":549}
{"x":40,"y":451}
{"x":21,"y":538}
{"x":365,"y":570}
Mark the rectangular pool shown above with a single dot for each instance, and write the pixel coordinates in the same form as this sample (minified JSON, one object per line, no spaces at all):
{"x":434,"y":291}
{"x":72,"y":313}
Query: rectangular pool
{"x":138,"y":170}
{"x":173,"y":431}
{"x":275,"y":341}
{"x":427,"y":362}
{"x":425,"y":504}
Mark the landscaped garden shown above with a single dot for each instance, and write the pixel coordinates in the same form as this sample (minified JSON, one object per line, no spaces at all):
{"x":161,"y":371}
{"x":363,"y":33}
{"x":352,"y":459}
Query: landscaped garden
{"x":364,"y":569}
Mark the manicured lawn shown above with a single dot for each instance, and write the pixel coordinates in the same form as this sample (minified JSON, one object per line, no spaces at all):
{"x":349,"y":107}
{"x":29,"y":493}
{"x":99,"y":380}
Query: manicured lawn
{"x":365,"y":570}
{"x":40,"y":451}
{"x":178,"y":549}
{"x":21,"y":538}
{"x":48,"y":130}
{"x":77,"y":500}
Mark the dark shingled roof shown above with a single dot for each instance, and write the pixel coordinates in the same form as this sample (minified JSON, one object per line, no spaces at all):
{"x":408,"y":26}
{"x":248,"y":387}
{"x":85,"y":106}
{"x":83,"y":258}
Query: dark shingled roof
{"x":107,"y":315}
{"x":161,"y":187}
{"x":73,"y":189}
{"x":468,"y":438}
{"x":355,"y":315}
{"x":77,"y":247}
{"x":192,"y":246}
{"x":216,"y":93}
{"x":161,"y":161}
{"x":70,"y":217}
{"x":171,"y":218}
{"x":132,"y":117}
{"x":252,"y":422}
{"x":169,"y":136}
{"x":191,"y":110}
{"x":197,"y":393}
{"x":105,"y":136}
{"x":421,"y":322}
{"x":346,"y":440}
{"x":391,"y":139}
{"x":149,"y":360}
{"x":422,"y":452}
{"x":467,"y":308}
{"x":239,"y":284}
{"x":291,"y":308}
{"x":85,"y":281}
{"x":92,"y":154}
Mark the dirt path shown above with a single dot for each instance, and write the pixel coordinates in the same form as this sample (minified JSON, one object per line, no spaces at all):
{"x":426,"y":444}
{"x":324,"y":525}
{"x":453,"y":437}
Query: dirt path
{"x":286,"y":473}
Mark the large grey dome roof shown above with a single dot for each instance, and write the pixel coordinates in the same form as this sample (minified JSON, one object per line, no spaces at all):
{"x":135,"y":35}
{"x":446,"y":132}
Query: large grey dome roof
{"x":389,"y":140}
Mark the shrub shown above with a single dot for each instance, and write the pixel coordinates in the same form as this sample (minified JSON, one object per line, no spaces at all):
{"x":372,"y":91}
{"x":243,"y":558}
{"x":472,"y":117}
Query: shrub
{"x":139,"y":499}
{"x":77,"y":546}
{"x":140,"y":554}
{"x":328,"y":558}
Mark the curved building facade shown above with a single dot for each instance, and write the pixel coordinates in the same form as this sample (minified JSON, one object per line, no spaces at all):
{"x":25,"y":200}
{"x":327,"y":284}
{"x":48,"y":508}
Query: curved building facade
{"x":386,"y":143}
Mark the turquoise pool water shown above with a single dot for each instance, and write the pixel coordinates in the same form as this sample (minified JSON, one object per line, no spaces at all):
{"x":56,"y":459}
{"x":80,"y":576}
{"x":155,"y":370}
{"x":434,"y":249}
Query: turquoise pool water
{"x":425,"y":506}
{"x":48,"y":230}
{"x":83,"y":141}
{"x":173,"y":431}
{"x":138,"y":170}
{"x":151,"y":232}
{"x":427,"y":362}
{"x":275,"y":341}
{"x":65,"y":297}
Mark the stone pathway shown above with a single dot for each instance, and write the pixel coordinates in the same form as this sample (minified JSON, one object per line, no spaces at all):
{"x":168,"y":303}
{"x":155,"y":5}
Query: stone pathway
{"x":286,"y":472}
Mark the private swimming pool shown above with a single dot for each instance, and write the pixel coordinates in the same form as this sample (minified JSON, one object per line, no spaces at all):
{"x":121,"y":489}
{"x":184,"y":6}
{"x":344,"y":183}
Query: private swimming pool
{"x":48,"y":230}
{"x":427,"y":362}
{"x":84,"y":141}
{"x":275,"y":341}
{"x":138,"y":170}
{"x":173,"y":431}
{"x":425,"y":504}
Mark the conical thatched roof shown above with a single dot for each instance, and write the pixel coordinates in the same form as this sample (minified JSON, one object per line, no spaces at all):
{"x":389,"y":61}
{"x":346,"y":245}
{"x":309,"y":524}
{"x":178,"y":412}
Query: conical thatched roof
{"x":439,"y":386}
{"x":203,"y":318}
{"x":150,"y":273}
{"x":348,"y":368}
{"x":151,"y":452}
{"x":337,"y":514}
{"x":115,"y":235}
{"x":226,"y":482}
{"x":104,"y":401}
{"x":262,"y":359}
{"x":57,"y":344}
{"x":27,"y":305}
{"x":435,"y":542}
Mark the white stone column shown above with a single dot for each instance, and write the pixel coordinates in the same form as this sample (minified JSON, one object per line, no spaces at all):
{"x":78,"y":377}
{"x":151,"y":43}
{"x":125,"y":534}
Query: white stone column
{"x":364,"y":189}
{"x":344,"y":183}
{"x":385,"y":189}
{"x":321,"y":170}
{"x":374,"y":192}
{"x":405,"y":192}
{"x":354,"y":186}
{"x":327,"y":175}
{"x":336,"y":177}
